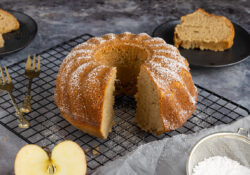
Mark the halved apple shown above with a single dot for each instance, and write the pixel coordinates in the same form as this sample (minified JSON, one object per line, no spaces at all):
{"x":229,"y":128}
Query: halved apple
{"x":67,"y":158}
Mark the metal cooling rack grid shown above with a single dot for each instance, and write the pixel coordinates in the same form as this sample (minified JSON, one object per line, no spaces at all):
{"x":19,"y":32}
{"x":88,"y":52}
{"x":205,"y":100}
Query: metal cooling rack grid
{"x":48,"y":127}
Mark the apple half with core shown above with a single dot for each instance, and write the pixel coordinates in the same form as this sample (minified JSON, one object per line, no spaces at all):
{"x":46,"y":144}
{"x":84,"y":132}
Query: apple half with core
{"x":67,"y":158}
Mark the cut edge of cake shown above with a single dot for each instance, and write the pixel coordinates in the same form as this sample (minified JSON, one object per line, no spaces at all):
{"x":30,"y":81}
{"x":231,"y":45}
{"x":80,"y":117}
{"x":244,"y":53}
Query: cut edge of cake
{"x":148,"y":116}
{"x":108,"y":111}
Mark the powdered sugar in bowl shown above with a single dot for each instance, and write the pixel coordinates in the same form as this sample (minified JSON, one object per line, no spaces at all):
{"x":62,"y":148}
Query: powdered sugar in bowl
{"x":235,"y":146}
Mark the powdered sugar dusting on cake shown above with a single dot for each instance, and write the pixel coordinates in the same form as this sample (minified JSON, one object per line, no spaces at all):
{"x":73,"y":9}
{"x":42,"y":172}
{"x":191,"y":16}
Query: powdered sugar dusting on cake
{"x":171,"y":53}
{"x":82,"y":45}
{"x":126,"y":35}
{"x":66,"y":60}
{"x":93,"y":74}
{"x":99,"y":40}
{"x":69,"y":65}
{"x":172,"y":125}
{"x":64,"y":108}
{"x":165,"y":75}
{"x":172,"y":47}
{"x":165,"y":72}
{"x":132,"y":44}
{"x":182,"y":58}
{"x":158,"y":40}
{"x":192,"y":98}
{"x":110,"y":36}
{"x":74,"y":85}
{"x":68,"y":69}
{"x":81,"y":51}
{"x":154,"y":41}
{"x":171,"y":62}
{"x":144,"y":35}
{"x":92,"y":82}
{"x":75,"y":78}
{"x":88,"y":51}
{"x":83,"y":57}
{"x":184,"y":113}
{"x":84,"y":54}
{"x":157,"y":45}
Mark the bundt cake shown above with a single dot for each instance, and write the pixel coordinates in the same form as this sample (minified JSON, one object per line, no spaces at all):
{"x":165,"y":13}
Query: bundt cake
{"x":125,"y":64}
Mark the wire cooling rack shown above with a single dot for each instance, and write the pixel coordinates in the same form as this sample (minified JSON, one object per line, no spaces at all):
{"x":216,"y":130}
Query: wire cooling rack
{"x":48,"y":127}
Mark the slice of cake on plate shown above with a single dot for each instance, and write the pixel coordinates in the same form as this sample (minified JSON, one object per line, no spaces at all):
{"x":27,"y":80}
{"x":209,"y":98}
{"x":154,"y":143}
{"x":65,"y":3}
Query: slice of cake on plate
{"x":205,"y":31}
{"x":8,"y":23}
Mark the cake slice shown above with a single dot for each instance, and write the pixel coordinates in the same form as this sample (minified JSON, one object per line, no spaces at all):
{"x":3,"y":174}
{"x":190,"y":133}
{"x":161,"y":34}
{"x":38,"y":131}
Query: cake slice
{"x":1,"y":41}
{"x":8,"y":22}
{"x":205,"y":31}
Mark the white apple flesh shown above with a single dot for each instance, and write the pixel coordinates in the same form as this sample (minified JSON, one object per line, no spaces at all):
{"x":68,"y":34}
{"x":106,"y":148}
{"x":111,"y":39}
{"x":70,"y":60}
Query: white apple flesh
{"x":67,"y":158}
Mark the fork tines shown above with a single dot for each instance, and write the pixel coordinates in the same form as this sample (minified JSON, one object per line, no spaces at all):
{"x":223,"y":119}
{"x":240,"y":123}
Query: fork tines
{"x":28,"y":63}
{"x":3,"y":80}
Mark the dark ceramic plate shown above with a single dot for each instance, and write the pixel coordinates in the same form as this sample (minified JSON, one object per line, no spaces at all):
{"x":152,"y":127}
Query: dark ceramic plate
{"x":19,"y":39}
{"x":239,"y":52}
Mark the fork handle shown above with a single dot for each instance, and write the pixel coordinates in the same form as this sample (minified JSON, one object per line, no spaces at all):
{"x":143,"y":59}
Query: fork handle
{"x":23,"y":122}
{"x":29,"y":87}
{"x":26,"y":107}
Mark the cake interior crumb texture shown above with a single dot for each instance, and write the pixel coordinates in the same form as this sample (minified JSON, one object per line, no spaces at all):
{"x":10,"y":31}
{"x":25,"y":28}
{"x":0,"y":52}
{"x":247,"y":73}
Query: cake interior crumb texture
{"x":108,"y":104}
{"x":205,"y":31}
{"x":8,"y":22}
{"x":147,"y":104}
{"x":127,"y":59}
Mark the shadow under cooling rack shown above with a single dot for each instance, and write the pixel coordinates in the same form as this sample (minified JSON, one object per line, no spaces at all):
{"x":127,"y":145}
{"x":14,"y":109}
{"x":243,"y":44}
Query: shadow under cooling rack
{"x":48,"y":127}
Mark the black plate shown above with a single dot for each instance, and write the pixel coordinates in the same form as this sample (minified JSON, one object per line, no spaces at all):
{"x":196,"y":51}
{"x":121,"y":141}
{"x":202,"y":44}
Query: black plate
{"x":239,"y":52}
{"x":19,"y":39}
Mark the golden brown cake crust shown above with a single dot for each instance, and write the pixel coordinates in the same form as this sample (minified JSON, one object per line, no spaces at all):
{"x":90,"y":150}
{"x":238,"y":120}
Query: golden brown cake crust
{"x":212,"y":45}
{"x":84,"y":74}
{"x":1,"y":41}
{"x":84,"y":110}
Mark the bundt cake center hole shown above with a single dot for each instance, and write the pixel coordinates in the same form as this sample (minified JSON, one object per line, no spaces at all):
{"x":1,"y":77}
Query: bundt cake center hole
{"x":127,"y":59}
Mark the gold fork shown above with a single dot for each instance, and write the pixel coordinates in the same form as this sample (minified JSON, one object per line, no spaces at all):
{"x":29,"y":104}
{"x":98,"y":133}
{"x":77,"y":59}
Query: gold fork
{"x":30,"y":73}
{"x":8,"y":86}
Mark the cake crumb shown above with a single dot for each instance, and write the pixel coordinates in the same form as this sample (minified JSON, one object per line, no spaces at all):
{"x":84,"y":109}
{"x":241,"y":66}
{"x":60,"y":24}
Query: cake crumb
{"x":4,"y":139}
{"x":95,"y":150}
{"x":86,"y":150}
